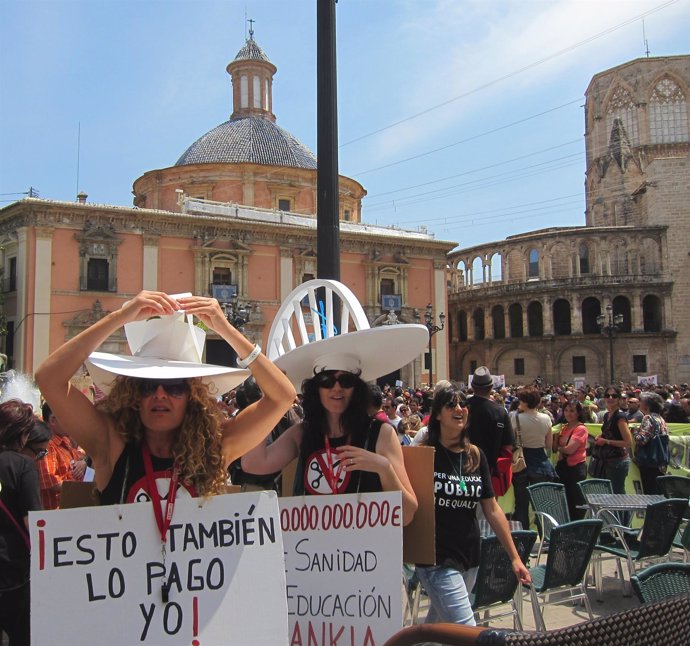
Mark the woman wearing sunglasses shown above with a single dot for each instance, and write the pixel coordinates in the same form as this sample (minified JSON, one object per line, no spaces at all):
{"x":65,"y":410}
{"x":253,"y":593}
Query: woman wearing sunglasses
{"x":167,"y":424}
{"x":340,"y":449}
{"x":462,"y":481}
{"x":19,"y":494}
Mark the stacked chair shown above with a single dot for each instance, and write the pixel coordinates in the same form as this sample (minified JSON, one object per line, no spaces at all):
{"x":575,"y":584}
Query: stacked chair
{"x":661,"y":581}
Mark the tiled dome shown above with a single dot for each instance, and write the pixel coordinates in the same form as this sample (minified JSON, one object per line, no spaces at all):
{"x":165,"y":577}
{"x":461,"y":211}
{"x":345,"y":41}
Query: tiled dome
{"x":251,"y":139}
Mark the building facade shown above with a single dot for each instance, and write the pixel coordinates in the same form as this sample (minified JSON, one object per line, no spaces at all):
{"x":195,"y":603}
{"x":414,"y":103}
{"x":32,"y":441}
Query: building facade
{"x":235,"y":215}
{"x":527,"y":306}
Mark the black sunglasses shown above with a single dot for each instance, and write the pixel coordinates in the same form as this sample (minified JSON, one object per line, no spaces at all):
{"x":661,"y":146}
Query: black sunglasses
{"x":453,"y":404}
{"x":612,"y":396}
{"x":173,"y":387}
{"x":38,"y":455}
{"x":330,"y":379}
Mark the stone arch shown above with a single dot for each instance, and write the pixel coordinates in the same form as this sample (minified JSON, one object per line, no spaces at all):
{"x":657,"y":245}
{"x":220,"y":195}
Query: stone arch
{"x":462,"y":325}
{"x":515,"y":267}
{"x":535,"y":319}
{"x":515,"y":320}
{"x":594,"y":360}
{"x":478,"y":324}
{"x":584,"y":256}
{"x":560,"y":260}
{"x":534,"y":363}
{"x":667,"y":106}
{"x":498,"y":321}
{"x":477,"y":270}
{"x":652,"y":313}
{"x":496,"y":264}
{"x":590,"y":309}
{"x":533,"y":262}
{"x":621,"y":305}
{"x":620,"y":103}
{"x":562,"y":318}
{"x":650,"y":256}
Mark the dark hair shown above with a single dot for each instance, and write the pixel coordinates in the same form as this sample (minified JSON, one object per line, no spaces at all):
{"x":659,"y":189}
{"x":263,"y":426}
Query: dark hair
{"x":653,"y":402}
{"x":450,"y":395}
{"x":355,"y":420}
{"x":248,"y":393}
{"x":530,"y":395}
{"x":615,"y":389}
{"x":579,"y":409}
{"x":16,"y":421}
{"x":46,"y":411}
{"x":39,"y":433}
{"x":376,"y":395}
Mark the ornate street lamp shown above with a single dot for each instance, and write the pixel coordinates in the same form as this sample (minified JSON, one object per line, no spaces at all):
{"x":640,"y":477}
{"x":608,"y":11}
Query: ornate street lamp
{"x":610,"y":323}
{"x":237,"y":312}
{"x":433,"y":329}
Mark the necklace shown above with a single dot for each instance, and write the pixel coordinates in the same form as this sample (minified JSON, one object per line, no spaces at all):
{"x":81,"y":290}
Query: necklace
{"x":463,"y":486}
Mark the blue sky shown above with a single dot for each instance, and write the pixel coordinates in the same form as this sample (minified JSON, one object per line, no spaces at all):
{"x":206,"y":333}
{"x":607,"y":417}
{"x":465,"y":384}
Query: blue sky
{"x":462,"y":115}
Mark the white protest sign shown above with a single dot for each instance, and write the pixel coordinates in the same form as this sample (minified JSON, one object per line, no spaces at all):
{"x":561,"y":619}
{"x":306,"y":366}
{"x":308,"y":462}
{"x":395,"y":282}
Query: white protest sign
{"x":343,"y":562}
{"x":649,"y":380}
{"x":99,"y":571}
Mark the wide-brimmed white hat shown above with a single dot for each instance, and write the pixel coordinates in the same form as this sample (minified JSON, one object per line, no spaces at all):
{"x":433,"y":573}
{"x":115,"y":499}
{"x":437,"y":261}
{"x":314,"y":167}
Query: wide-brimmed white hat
{"x":370,"y":352}
{"x":166,"y":347}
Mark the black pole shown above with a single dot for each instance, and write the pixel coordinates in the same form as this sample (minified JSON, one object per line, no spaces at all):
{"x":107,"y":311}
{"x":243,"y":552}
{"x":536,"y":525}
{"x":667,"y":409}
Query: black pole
{"x":431,"y":373}
{"x":327,"y":209}
{"x":611,"y":352}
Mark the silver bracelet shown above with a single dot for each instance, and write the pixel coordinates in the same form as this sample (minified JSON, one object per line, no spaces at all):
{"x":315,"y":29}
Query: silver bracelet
{"x":245,"y":363}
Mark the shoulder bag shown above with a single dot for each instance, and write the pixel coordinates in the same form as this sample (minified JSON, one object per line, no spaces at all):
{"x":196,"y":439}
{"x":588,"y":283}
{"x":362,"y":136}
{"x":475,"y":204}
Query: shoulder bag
{"x":519,"y":462}
{"x":22,"y":532}
{"x":655,"y":452}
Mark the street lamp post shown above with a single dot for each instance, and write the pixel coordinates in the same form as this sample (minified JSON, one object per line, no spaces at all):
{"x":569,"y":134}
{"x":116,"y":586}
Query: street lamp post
{"x":433,"y":329}
{"x":237,"y":312}
{"x":610,"y":323}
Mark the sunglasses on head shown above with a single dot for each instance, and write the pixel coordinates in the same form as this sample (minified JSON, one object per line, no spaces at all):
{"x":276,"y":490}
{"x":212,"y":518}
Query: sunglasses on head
{"x":173,"y":387}
{"x":329,"y":379}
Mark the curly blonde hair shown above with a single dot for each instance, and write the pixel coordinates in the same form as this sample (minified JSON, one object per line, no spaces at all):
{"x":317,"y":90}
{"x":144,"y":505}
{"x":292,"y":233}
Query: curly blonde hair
{"x":197,"y":450}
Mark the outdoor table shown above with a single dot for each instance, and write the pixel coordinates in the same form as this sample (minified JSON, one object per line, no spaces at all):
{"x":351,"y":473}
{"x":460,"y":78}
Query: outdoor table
{"x":621,"y":501}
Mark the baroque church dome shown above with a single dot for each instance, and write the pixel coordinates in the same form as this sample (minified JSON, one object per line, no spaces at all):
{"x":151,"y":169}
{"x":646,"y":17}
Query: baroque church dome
{"x":251,"y":134}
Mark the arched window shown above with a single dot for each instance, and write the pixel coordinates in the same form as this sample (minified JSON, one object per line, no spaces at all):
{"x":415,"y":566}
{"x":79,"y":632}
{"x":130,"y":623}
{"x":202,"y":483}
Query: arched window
{"x":668,"y":113}
{"x":561,"y":317}
{"x":591,"y":308}
{"x":515,"y":317}
{"x":478,"y":320}
{"x":621,"y":305}
{"x":499,"y":322}
{"x":621,"y":106}
{"x":462,"y":325}
{"x":535,"y":319}
{"x":244,"y":91}
{"x":584,"y":258}
{"x":533,"y":264}
{"x":651,"y":313}
{"x":477,"y":271}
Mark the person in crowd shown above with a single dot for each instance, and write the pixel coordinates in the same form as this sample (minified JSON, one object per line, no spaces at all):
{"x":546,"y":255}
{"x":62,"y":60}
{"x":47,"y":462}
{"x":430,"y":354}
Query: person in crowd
{"x":612,"y":446}
{"x":36,"y":446}
{"x":19,"y":494}
{"x":390,"y":408}
{"x":340,"y":448}
{"x":489,"y":424}
{"x":411,"y":425}
{"x":543,"y":407}
{"x":634,"y":414}
{"x":652,"y":425}
{"x":676,"y":413}
{"x":588,"y":405}
{"x":533,"y":431}
{"x":65,"y":461}
{"x":167,"y":422}
{"x":415,"y":406}
{"x":462,"y":482}
{"x":376,"y":403}
{"x":571,"y":446}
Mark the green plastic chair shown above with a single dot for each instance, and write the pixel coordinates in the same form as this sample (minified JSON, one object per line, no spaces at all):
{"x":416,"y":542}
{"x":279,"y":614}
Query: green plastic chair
{"x":661,"y":581}
{"x":551,"y":507}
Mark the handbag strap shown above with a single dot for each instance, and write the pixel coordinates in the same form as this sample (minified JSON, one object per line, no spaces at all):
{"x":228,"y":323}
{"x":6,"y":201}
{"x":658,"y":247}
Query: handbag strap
{"x":21,"y":531}
{"x":519,"y":437}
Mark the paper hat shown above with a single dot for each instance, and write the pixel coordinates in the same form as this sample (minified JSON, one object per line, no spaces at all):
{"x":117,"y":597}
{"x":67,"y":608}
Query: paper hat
{"x":167,"y":347}
{"x":371,"y":352}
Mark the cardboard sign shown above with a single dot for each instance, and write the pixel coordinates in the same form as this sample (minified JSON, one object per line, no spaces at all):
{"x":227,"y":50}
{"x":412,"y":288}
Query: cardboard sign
{"x":419,"y":537}
{"x":343,"y":563}
{"x":103,"y":568}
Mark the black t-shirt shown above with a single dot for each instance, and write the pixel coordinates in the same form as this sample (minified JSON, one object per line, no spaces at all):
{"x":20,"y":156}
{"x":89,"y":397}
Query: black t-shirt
{"x":489,"y":427}
{"x":457,"y":529}
{"x":20,"y":494}
{"x":610,"y":431}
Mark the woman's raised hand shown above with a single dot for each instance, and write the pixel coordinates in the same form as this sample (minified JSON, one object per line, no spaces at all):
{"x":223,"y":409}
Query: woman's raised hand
{"x":206,"y":309}
{"x":147,"y":304}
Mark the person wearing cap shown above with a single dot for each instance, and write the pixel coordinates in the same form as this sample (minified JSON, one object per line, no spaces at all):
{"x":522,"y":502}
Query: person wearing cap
{"x":159,"y":418}
{"x":489,"y":424}
{"x":462,"y":486}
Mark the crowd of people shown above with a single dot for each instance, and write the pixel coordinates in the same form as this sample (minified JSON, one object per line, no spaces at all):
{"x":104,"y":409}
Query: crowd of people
{"x":203,"y":427}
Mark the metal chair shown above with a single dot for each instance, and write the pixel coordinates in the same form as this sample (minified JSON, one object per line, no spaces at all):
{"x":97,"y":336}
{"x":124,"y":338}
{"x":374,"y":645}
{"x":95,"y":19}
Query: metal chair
{"x":678,"y":487}
{"x":661,"y":581}
{"x":496,"y":583}
{"x":563,"y":579}
{"x":551,"y":507}
{"x":652,"y":542}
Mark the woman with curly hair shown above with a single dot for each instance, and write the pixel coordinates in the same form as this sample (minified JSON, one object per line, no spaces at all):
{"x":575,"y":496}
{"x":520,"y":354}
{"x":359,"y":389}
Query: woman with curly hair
{"x":340,"y":449}
{"x":19,"y":494}
{"x":462,"y":481}
{"x":166,"y":424}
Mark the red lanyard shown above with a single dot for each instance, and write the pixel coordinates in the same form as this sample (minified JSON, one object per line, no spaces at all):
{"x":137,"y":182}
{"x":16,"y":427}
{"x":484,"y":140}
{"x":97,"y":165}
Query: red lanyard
{"x":163,"y":523}
{"x":332,"y":476}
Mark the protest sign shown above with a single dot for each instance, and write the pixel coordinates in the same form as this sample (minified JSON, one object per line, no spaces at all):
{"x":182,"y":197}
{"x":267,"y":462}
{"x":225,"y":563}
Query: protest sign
{"x":99,"y":571}
{"x":649,"y":380}
{"x":343,"y":564}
